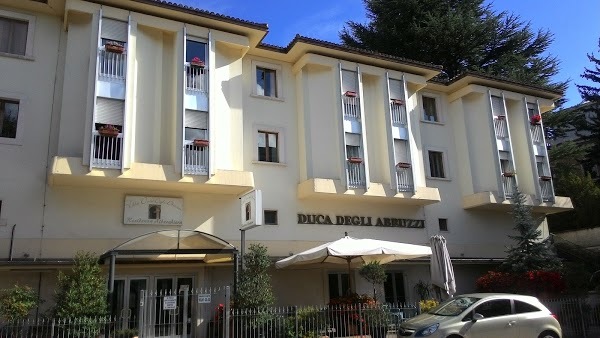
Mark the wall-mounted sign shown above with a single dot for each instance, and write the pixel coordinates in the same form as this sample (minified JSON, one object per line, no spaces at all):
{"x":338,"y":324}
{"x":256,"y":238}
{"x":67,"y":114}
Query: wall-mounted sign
{"x":153,"y":210}
{"x":360,"y":221}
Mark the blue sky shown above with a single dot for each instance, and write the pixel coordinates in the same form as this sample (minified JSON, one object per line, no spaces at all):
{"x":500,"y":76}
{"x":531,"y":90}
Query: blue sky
{"x":574,"y":23}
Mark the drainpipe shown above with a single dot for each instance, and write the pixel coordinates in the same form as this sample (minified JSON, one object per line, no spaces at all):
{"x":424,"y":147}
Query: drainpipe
{"x":12,"y":238}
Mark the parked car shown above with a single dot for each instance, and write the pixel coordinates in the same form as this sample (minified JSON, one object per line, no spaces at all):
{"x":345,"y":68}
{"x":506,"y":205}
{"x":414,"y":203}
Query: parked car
{"x":486,"y":315}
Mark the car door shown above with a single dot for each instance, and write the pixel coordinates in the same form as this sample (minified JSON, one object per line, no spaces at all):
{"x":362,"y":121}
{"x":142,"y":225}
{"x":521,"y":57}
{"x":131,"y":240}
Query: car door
{"x":498,"y":321}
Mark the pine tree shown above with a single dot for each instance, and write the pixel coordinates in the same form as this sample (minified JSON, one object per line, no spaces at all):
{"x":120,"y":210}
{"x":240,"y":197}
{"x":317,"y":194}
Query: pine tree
{"x":591,"y":130}
{"x":459,"y":35}
{"x":254,"y":289}
{"x":530,"y":253}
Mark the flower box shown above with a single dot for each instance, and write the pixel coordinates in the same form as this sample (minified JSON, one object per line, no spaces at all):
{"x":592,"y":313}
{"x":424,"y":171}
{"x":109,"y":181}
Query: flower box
{"x":114,"y":47}
{"x":350,"y":94}
{"x":501,"y":117}
{"x":109,"y":131}
{"x":403,"y":165}
{"x":397,"y":102}
{"x":535,"y":119}
{"x":356,"y":160}
{"x":508,"y":174}
{"x":196,"y":62}
{"x":201,"y":143}
{"x":545,"y":178}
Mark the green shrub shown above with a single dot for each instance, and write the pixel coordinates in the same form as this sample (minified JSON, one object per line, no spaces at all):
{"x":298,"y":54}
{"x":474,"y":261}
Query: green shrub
{"x":17,"y":302}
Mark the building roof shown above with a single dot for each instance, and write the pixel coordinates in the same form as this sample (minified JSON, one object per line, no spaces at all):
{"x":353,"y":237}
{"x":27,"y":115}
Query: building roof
{"x":503,"y":79}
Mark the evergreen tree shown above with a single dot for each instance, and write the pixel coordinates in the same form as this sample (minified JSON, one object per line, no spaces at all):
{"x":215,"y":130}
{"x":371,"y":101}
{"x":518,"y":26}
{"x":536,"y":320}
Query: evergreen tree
{"x":591,"y":130}
{"x":82,"y":293}
{"x":585,"y":195}
{"x":459,"y":35}
{"x":530,"y":253}
{"x":254,"y":289}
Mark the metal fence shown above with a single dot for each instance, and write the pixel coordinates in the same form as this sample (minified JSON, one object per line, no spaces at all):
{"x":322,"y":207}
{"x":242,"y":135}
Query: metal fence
{"x":578,"y":317}
{"x":64,"y":328}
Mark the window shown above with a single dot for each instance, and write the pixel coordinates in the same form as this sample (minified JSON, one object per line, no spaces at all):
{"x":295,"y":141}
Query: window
{"x":9,"y":115}
{"x":13,"y":36}
{"x":338,"y":285}
{"x":522,"y":307}
{"x":266,"y":82}
{"x":494,"y":308}
{"x":270,"y":217}
{"x":443,"y":224}
{"x":436,"y":164}
{"x":195,"y":49}
{"x":394,"y":287}
{"x":430,"y":112}
{"x":267,"y":146}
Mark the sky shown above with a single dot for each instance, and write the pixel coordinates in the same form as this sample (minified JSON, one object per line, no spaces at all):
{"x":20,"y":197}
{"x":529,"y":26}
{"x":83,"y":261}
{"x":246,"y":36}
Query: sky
{"x":574,"y":23}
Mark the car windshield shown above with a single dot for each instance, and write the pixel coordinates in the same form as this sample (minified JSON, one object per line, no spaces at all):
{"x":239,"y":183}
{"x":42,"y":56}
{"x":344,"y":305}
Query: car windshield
{"x":454,"y":306}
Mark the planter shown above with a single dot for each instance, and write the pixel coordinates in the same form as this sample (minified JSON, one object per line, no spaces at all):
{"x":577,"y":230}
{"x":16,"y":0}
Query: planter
{"x":108,"y":132}
{"x":501,"y":117}
{"x":533,"y":123}
{"x":508,"y":174}
{"x":350,"y":94}
{"x":201,"y":143}
{"x":117,"y":49}
{"x":403,"y":165}
{"x":196,"y":62}
{"x":545,"y":178}
{"x":397,"y":102}
{"x":356,"y":160}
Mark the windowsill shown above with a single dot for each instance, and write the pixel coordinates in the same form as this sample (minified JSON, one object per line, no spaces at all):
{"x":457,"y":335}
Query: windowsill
{"x":277,"y":164}
{"x":10,"y":141}
{"x":271,"y":98}
{"x":438,"y":178}
{"x":18,"y":56}
{"x":433,"y":122}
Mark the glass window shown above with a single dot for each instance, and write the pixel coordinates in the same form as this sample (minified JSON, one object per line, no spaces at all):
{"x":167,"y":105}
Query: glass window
{"x":522,"y":307}
{"x":394,"y":288}
{"x":494,"y":308}
{"x":266,"y":82}
{"x":436,"y":164}
{"x":195,"y":49}
{"x":443,"y":223}
{"x":454,"y":306}
{"x":338,"y":284}
{"x":430,"y":109}
{"x":270,"y":217}
{"x":13,"y":36}
{"x":267,"y":147}
{"x":9,"y":115}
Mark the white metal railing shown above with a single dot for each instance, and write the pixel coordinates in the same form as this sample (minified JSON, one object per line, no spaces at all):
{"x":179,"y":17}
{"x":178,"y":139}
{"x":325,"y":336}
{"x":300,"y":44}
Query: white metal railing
{"x":112,"y":65}
{"x":107,"y":151}
{"x":537,"y":135}
{"x":501,"y":127}
{"x":196,"y":79}
{"x":351,"y":107}
{"x":509,"y":184}
{"x":398,"y":114}
{"x":356,"y":174}
{"x":546,"y":187}
{"x":405,"y":182}
{"x":195,"y":159}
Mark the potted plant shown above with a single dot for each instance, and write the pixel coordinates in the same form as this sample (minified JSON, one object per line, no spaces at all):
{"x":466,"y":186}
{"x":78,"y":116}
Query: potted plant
{"x":350,"y":93}
{"x":535,"y":119}
{"x":403,"y":165}
{"x":109,"y":130}
{"x":201,"y":142}
{"x":397,"y":102}
{"x":545,"y":178}
{"x":196,"y":62}
{"x":508,"y":174}
{"x":114,"y":47}
{"x":356,"y":160}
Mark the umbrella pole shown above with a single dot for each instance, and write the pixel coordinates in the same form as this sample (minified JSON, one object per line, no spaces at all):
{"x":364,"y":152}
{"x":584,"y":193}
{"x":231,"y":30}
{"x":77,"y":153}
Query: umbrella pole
{"x":349,"y":276}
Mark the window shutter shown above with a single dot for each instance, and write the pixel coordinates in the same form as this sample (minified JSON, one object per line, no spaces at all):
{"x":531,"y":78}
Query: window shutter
{"x":401,"y":151}
{"x":353,"y":140}
{"x":497,"y":105}
{"x":349,"y":81}
{"x":396,"y":90}
{"x":196,"y":119}
{"x":109,"y":111}
{"x":114,"y":30}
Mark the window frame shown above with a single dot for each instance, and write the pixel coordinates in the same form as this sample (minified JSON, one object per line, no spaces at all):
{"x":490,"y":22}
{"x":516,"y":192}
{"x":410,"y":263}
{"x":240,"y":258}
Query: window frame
{"x":267,"y":146}
{"x":446,"y":169}
{"x":281,"y":144}
{"x":276,"y":216}
{"x":278,"y":80}
{"x":438,"y":107}
{"x":30,"y":19}
{"x":18,"y":139}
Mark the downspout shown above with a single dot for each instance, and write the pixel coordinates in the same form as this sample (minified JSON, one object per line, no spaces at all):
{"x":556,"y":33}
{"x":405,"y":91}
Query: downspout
{"x":12,"y":238}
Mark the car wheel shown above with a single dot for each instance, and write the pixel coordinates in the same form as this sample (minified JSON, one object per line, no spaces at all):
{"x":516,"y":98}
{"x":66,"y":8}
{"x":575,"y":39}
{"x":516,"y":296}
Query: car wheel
{"x":454,"y":336}
{"x":548,"y":334}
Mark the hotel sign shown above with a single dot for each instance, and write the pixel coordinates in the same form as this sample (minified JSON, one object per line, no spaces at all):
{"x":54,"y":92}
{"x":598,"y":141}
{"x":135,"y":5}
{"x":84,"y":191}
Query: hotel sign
{"x":153,"y":210}
{"x":361,"y":221}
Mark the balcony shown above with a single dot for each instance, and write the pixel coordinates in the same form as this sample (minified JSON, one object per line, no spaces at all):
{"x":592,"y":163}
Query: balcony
{"x":196,"y":158}
{"x":537,"y":134}
{"x":509,"y":183}
{"x":107,"y":151}
{"x":501,"y":127}
{"x":398,"y":114}
{"x":112,"y":66}
{"x":356,"y":174}
{"x":196,"y":79}
{"x":546,"y":188}
{"x":490,"y":200}
{"x":351,"y":106}
{"x":405,"y":180}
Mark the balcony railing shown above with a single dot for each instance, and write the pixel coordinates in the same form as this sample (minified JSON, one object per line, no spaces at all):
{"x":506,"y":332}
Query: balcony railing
{"x":546,"y":187}
{"x":107,"y":151}
{"x":501,"y":127}
{"x":195,"y":159}
{"x":537,"y":135}
{"x":398,"y":114}
{"x":112,"y":65}
{"x":509,"y":184}
{"x":356,"y":174}
{"x":405,"y":182}
{"x":351,"y":107}
{"x":196,"y":79}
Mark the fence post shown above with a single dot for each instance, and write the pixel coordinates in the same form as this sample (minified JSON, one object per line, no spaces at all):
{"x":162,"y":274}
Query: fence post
{"x":360,"y":320}
{"x":581,"y":317}
{"x":296,"y":319}
{"x":227,"y":314}
{"x":141,"y":314}
{"x":185,"y":312}
{"x":52,"y":329}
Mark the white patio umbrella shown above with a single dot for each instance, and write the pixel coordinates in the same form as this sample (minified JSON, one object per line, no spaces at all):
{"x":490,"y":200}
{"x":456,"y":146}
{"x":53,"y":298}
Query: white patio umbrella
{"x":442,"y":272}
{"x":355,"y":252}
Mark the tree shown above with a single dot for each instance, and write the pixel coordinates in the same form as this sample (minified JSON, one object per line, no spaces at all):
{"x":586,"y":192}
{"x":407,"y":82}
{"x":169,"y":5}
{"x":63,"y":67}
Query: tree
{"x":585,"y":195}
{"x":591,"y":130}
{"x":17,"y":302}
{"x":531,"y":253}
{"x":374,"y":273}
{"x":459,"y":35}
{"x":254,"y":289}
{"x":82,"y":293}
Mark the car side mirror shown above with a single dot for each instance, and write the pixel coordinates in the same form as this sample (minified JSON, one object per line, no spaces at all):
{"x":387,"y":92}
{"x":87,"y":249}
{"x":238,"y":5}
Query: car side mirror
{"x":476,"y":317}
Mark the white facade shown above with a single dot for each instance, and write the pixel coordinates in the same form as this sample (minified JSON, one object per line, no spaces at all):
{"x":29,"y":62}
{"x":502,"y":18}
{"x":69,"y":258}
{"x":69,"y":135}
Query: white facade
{"x":324,"y":132}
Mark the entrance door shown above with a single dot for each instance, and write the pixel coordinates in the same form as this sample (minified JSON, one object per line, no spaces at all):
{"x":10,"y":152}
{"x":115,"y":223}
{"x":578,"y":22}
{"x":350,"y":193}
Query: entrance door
{"x":169,"y":322}
{"x":126,"y":301}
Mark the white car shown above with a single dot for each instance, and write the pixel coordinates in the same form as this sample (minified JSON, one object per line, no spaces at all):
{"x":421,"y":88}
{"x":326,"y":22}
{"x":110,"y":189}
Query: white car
{"x":488,"y":315}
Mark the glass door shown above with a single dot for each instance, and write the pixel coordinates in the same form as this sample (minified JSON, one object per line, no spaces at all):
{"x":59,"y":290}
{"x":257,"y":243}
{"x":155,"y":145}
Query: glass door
{"x":169,"y":322}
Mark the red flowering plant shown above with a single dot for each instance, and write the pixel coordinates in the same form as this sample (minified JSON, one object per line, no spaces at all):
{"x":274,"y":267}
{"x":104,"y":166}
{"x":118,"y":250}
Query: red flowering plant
{"x":535,"y":119}
{"x":538,"y":283}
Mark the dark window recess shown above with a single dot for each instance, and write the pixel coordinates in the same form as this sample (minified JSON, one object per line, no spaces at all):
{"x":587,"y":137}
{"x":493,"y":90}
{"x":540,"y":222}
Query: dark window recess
{"x":443,"y":224}
{"x":270,"y":217}
{"x":338,"y":283}
{"x":9,"y":115}
{"x":436,"y":164}
{"x":195,"y":49}
{"x":267,"y":147}
{"x":522,"y":307}
{"x":394,"y":288}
